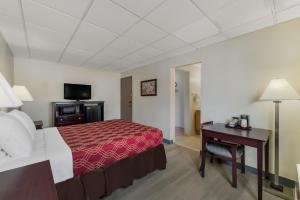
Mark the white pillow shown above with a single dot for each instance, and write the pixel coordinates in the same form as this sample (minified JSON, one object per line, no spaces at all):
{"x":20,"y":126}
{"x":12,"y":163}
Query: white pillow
{"x":26,"y":121}
{"x":14,"y":138}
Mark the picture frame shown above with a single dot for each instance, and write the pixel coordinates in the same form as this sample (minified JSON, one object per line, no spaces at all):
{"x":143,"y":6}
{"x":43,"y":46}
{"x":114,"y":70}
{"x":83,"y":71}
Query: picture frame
{"x":149,"y":87}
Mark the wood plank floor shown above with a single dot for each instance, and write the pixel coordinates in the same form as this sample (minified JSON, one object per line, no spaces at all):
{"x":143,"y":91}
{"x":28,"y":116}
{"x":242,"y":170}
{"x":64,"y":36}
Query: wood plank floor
{"x":181,"y":181}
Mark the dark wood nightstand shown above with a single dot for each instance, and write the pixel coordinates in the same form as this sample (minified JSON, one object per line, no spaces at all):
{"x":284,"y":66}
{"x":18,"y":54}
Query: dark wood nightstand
{"x":27,"y":183}
{"x":38,"y":124}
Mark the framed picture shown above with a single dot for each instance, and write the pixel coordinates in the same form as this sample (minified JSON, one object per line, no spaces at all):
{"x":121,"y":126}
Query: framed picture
{"x":149,"y":87}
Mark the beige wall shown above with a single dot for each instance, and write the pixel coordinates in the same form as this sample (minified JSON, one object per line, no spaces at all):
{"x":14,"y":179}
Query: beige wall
{"x":6,"y":61}
{"x":45,"y":82}
{"x":234,"y":74}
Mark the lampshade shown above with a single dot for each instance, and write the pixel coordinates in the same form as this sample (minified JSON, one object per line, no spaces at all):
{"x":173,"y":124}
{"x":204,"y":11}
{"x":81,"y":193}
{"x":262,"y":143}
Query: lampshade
{"x":279,"y":89}
{"x":22,"y":92}
{"x":8,"y":99}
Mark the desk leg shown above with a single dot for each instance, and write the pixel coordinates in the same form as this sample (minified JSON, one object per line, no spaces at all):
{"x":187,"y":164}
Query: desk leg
{"x":259,"y":169}
{"x":203,"y":155}
{"x":267,"y":160}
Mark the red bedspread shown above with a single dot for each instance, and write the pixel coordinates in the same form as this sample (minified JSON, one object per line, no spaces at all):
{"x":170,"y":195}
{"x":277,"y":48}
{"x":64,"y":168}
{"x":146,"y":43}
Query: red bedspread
{"x":95,"y":145}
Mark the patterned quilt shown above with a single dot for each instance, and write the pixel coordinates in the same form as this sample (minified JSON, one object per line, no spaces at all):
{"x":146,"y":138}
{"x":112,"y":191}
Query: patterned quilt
{"x":95,"y":145}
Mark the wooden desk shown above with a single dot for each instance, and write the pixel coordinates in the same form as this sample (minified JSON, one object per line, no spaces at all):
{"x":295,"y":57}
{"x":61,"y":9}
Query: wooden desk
{"x":32,"y":182}
{"x":256,"y":138}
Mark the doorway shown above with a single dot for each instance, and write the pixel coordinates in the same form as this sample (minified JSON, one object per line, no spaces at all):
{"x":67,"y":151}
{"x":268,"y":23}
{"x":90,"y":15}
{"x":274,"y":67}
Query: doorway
{"x":126,"y":98}
{"x":187,"y":106}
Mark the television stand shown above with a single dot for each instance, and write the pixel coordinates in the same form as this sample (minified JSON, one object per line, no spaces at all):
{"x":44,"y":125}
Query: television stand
{"x":77,"y":112}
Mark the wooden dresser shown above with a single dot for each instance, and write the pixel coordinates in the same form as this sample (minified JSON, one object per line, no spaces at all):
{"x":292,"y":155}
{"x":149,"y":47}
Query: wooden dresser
{"x":31,"y":182}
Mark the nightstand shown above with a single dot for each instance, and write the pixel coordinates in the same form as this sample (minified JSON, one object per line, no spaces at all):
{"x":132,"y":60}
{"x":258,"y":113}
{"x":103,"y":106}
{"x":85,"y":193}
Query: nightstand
{"x":27,"y":183}
{"x":38,"y":124}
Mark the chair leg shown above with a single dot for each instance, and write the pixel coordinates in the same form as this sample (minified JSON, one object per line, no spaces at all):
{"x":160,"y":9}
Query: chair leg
{"x":243,"y":165}
{"x":234,"y":168}
{"x":212,"y":159}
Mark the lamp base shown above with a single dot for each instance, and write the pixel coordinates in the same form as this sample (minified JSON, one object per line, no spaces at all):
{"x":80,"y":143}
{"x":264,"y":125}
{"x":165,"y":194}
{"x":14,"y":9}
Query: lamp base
{"x":276,"y":187}
{"x":287,"y":193}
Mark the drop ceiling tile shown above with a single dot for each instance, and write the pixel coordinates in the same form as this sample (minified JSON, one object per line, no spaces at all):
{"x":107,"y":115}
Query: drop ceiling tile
{"x":40,"y":33}
{"x":211,"y":40}
{"x":98,"y":63}
{"x":75,"y":56}
{"x":13,"y":32}
{"x":10,"y":8}
{"x":288,"y":14}
{"x":169,"y":43}
{"x":180,"y":51}
{"x":149,"y":52}
{"x":91,"y":38}
{"x":133,"y":58}
{"x":145,"y":32}
{"x":139,"y":7}
{"x":197,"y":31}
{"x":286,"y":4}
{"x":119,"y":48}
{"x":175,"y":14}
{"x":44,"y":16}
{"x":108,"y":15}
{"x":240,"y":12}
{"x":75,"y":8}
{"x":213,"y":5}
{"x":251,"y":26}
{"x":45,"y":50}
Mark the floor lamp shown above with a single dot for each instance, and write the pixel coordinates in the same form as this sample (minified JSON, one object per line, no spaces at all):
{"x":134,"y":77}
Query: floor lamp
{"x":277,"y":91}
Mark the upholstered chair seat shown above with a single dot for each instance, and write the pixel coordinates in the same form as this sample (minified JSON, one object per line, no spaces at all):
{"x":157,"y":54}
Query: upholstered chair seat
{"x":223,"y":150}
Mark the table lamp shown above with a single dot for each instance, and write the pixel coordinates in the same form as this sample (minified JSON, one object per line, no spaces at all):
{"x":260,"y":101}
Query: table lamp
{"x":277,"y":91}
{"x":8,"y":99}
{"x":22,"y":92}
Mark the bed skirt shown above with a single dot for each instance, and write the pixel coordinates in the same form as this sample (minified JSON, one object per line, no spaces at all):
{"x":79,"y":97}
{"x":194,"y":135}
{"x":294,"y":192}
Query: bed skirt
{"x":102,"y":182}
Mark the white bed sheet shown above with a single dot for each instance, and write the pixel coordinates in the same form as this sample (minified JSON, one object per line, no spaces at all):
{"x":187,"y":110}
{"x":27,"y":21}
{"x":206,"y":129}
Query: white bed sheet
{"x":48,"y":145}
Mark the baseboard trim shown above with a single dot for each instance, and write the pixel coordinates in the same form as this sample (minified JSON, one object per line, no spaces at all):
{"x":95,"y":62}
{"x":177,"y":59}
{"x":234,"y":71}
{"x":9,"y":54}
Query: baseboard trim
{"x":282,"y":180}
{"x":166,"y":141}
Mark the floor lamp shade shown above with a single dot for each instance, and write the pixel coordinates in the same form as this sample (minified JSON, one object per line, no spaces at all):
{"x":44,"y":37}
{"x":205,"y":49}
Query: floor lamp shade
{"x":8,"y":99}
{"x":22,"y":92}
{"x":277,"y":91}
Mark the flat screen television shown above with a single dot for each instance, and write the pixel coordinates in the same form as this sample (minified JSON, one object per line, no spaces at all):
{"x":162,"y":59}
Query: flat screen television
{"x":77,"y":91}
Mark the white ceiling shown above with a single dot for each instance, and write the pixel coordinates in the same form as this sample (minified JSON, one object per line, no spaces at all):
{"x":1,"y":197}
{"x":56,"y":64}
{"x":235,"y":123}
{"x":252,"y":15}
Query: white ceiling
{"x":123,"y":34}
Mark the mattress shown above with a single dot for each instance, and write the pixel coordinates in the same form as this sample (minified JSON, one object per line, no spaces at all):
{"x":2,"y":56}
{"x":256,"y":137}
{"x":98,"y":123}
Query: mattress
{"x":95,"y":145}
{"x":48,"y":145}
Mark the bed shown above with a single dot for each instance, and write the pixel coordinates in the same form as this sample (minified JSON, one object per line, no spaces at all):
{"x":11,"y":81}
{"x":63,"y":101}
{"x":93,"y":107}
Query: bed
{"x":91,"y":160}
{"x":95,"y":145}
